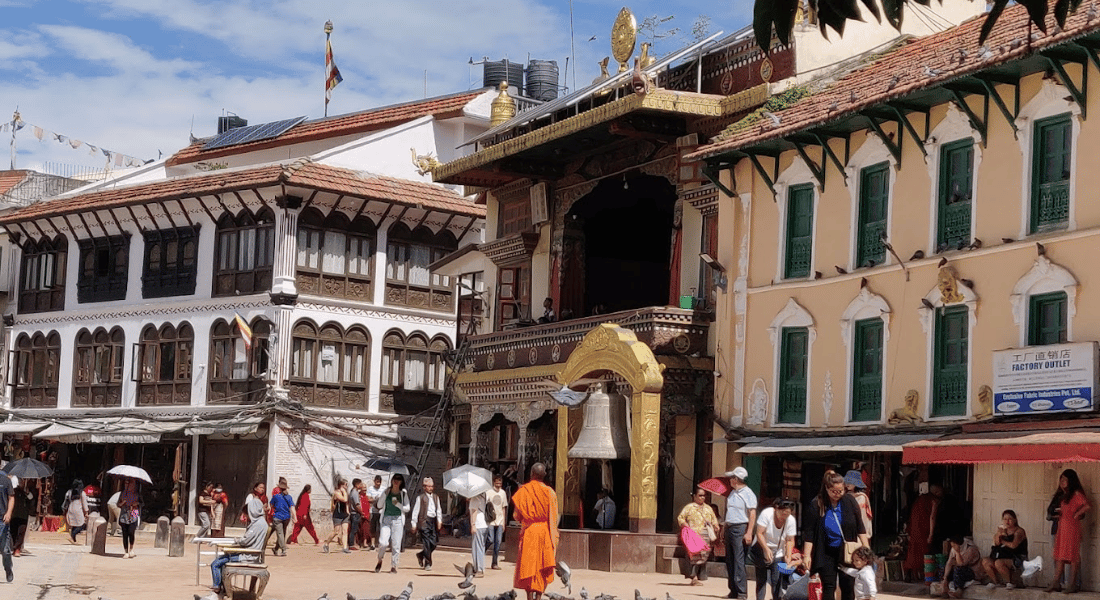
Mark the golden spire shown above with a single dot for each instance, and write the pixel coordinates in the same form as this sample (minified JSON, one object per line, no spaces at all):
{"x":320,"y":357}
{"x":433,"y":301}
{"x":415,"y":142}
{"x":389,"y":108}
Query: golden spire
{"x":504,"y":107}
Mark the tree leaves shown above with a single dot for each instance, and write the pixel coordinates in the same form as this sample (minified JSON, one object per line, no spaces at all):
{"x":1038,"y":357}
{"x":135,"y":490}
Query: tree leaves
{"x":834,"y":14}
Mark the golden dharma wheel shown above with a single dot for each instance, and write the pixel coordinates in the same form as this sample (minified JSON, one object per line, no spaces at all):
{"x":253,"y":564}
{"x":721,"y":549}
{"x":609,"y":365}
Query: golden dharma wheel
{"x":623,"y":35}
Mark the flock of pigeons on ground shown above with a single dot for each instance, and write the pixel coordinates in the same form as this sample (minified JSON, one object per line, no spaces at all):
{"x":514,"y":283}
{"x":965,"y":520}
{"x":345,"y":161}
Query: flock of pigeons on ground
{"x":467,"y":590}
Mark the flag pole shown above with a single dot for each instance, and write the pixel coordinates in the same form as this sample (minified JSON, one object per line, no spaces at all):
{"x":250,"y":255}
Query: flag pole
{"x":328,"y":36}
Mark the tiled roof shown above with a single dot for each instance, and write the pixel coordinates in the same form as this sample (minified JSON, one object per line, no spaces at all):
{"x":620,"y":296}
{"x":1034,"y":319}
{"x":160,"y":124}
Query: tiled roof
{"x":367,"y":120}
{"x":301,"y":173}
{"x":10,"y":179}
{"x":924,"y":62}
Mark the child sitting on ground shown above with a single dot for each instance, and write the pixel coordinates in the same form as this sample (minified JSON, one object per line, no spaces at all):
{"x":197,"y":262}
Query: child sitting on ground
{"x":864,"y":572}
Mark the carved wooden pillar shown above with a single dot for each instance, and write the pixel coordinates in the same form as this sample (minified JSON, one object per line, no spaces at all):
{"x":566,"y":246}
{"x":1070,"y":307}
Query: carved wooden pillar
{"x":283,"y":287}
{"x":568,"y":470}
{"x":645,"y":416}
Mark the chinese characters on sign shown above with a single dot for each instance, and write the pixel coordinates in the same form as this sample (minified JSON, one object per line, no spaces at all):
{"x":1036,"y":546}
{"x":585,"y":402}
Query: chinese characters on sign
{"x":1040,"y":379}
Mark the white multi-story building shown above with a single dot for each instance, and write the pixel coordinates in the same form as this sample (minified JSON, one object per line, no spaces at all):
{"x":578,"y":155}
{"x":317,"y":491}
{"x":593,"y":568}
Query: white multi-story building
{"x":128,"y":300}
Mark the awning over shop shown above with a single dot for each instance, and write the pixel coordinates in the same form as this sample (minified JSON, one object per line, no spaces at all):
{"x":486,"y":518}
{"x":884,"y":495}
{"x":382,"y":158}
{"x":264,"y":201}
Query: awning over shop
{"x":22,"y":426}
{"x":108,"y":431}
{"x":887,"y":442}
{"x":242,"y":426}
{"x":1006,"y":447}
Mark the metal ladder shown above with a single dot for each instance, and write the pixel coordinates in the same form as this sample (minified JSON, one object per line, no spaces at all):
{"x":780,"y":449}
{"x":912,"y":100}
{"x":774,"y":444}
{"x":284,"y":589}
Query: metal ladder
{"x":442,"y":408}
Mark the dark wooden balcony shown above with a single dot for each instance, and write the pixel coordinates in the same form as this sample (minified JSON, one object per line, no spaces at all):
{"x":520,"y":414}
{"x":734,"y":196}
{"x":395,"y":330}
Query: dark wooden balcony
{"x":665,"y":329}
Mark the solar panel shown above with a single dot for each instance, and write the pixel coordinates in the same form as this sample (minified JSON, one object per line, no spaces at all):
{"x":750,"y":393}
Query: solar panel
{"x":252,"y":133}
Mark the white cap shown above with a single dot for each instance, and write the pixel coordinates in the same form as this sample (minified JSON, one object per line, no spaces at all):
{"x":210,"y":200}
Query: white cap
{"x":738,"y":472}
{"x":427,"y":481}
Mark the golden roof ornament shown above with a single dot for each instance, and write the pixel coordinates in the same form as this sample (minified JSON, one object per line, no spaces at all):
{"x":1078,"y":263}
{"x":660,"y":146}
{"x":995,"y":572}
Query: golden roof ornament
{"x":624,"y":33}
{"x":504,"y":107}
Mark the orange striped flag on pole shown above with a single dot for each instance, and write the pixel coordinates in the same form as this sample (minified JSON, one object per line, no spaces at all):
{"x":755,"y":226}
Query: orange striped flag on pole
{"x":246,"y":331}
{"x":332,"y":74}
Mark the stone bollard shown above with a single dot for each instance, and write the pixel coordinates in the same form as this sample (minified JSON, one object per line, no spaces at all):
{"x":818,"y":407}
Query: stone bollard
{"x":161,"y":539}
{"x":99,"y":536}
{"x":175,"y":540}
{"x":88,"y":537}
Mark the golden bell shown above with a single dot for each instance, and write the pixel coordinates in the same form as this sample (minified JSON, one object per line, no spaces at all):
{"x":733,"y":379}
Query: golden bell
{"x":503,"y":107}
{"x":604,"y":433}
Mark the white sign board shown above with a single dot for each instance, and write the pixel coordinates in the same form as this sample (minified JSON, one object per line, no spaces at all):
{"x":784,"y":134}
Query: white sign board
{"x":1042,"y":379}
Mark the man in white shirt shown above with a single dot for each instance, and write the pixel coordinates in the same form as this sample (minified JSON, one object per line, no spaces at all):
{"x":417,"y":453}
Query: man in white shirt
{"x":373,"y":494}
{"x":740,"y":515}
{"x":429,"y":517}
{"x":604,"y":510}
{"x":775,"y":533}
{"x":499,"y":499}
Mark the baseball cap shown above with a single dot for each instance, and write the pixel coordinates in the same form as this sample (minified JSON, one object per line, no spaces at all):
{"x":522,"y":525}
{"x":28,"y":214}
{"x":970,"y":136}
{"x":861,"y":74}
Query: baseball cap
{"x":738,"y":472}
{"x":854,"y":478}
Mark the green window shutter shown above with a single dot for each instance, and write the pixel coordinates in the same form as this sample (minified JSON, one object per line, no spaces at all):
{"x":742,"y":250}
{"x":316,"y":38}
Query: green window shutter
{"x":800,"y":228}
{"x":793,"y":353}
{"x":1047,"y":319}
{"x":874,"y":196}
{"x":955,"y":188}
{"x":951,"y":344}
{"x":1050,"y":173}
{"x":867,"y":370}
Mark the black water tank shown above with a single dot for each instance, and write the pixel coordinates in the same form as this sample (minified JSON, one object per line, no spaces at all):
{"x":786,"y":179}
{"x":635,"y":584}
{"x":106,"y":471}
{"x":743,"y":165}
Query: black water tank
{"x":542,"y":80}
{"x":497,"y":71}
{"x":230,"y":122}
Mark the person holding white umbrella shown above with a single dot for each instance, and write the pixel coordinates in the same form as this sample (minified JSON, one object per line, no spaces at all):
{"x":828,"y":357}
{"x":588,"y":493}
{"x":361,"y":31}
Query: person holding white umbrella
{"x":129,"y":505}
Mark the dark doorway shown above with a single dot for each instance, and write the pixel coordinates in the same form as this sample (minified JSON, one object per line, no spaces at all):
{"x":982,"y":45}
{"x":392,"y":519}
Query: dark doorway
{"x":625,"y":231}
{"x":237,"y":465}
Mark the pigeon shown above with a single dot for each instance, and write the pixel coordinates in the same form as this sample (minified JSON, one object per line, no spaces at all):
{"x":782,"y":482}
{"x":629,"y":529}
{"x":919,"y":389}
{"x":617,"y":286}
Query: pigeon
{"x":406,"y":593}
{"x":553,"y":596}
{"x":817,"y":275}
{"x":862,"y":282}
{"x":968,"y":283}
{"x":943,"y":261}
{"x":668,"y":596}
{"x":584,"y":594}
{"x":210,"y":596}
{"x":468,"y":573}
{"x":927,"y":304}
{"x":941,"y":248}
{"x":775,"y":119}
{"x":893,"y":82}
{"x":603,"y":596}
{"x":564,"y":573}
{"x":919,"y":254}
{"x":509,"y":595}
{"x":638,"y":595}
{"x":324,"y":596}
{"x":443,"y":596}
{"x":1007,"y":240}
{"x":1041,"y":249}
{"x":566,"y":395}
{"x":840,"y":270}
{"x":469,"y":593}
{"x":930,"y":72}
{"x":977,"y":243}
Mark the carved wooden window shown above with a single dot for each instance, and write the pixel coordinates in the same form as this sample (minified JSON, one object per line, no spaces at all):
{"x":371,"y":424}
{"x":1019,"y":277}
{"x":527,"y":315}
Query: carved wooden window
{"x":951,"y":385}
{"x":335,"y":256}
{"x":164,"y":365}
{"x":793,"y":355}
{"x":97,"y":372}
{"x":37,"y":368}
{"x":514,"y":294}
{"x":413,"y":364}
{"x":514,"y":216}
{"x":238,"y":372}
{"x":471,"y":307}
{"x":330,"y":365}
{"x":867,"y":367}
{"x":1047,"y":319}
{"x":956,"y":189}
{"x":104,"y":269}
{"x":408,"y":280}
{"x":800,"y":231}
{"x":874,"y":198}
{"x":170,"y":262}
{"x":43,"y":278}
{"x":244,"y":253}
{"x":1052,"y":162}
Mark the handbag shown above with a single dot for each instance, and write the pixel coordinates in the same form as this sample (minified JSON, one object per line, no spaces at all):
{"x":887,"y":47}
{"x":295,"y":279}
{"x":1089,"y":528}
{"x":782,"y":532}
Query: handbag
{"x":711,"y":535}
{"x":847,"y":548}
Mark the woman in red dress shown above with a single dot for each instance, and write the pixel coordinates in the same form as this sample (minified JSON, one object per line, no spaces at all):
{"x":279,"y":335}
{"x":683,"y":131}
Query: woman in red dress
{"x":305,"y":521}
{"x":1073,"y":506}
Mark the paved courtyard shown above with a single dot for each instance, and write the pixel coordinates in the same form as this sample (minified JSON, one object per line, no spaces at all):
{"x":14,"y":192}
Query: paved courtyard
{"x":55,"y":570}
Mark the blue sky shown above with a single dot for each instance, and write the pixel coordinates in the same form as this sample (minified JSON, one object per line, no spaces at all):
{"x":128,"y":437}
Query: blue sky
{"x":132,"y":76}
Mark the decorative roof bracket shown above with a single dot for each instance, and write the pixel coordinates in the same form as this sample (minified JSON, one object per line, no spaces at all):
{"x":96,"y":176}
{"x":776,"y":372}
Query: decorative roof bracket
{"x":897,"y":108}
{"x":989,"y":83}
{"x":769,"y":180}
{"x":1090,"y":49}
{"x":712,"y":170}
{"x":979,"y":124}
{"x":894,"y":146}
{"x":818,"y":172}
{"x":823,"y":139}
{"x":1080,"y":95}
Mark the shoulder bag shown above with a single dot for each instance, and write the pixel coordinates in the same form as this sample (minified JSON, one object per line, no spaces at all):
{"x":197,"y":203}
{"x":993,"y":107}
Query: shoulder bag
{"x":848,"y":547}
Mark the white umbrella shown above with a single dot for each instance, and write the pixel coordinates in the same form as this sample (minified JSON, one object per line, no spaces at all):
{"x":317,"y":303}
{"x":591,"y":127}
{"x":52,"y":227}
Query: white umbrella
{"x":130,"y":471}
{"x":468,"y":481}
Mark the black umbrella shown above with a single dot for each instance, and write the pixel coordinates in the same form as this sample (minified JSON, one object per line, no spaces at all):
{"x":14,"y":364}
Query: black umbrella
{"x":391,"y":465}
{"x":28,"y":468}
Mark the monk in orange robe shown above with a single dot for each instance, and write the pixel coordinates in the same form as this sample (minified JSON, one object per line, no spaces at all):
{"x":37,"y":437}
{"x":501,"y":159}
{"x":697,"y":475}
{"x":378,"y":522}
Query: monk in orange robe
{"x":536,"y":508}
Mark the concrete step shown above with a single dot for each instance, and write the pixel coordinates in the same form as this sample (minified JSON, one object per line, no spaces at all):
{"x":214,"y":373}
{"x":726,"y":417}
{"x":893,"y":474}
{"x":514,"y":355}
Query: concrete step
{"x":981,"y":592}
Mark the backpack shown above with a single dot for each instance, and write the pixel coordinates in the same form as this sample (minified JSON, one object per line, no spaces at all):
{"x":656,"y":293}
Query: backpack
{"x":490,"y":511}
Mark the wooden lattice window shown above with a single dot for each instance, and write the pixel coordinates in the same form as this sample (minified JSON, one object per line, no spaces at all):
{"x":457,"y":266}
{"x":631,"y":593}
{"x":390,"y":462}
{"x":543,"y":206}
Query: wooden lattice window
{"x":1047,"y":319}
{"x":37,"y":369}
{"x":330,"y":365}
{"x":867,"y":370}
{"x":164,"y":365}
{"x":955,"y":191}
{"x":170,"y":262}
{"x":874,"y":200}
{"x":244,"y":253}
{"x":238,"y":373}
{"x":800,"y":231}
{"x":408,"y":281}
{"x":104,"y":269}
{"x":335,"y":256}
{"x":97,"y":372}
{"x":43,"y":279}
{"x":1051,"y":167}
{"x":793,"y":359}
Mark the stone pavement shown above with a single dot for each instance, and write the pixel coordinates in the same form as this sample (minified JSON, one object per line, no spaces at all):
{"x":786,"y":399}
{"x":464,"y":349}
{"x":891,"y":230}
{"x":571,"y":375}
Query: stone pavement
{"x":56,"y":570}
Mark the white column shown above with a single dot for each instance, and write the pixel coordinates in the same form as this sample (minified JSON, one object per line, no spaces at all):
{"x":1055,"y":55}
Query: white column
{"x":193,"y":485}
{"x":381,"y":242}
{"x":286,"y":245}
{"x":200,"y":360}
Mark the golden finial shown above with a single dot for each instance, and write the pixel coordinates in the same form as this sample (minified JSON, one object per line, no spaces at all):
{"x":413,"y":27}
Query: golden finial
{"x":504,"y":107}
{"x":623,"y":35}
{"x":328,"y":27}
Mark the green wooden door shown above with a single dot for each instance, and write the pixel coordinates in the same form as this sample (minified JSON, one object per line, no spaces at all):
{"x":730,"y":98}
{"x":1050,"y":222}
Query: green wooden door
{"x":956,"y":187}
{"x":1051,"y":165}
{"x":800,"y":228}
{"x":867,"y":375}
{"x":793,"y":353}
{"x":874,"y":196}
{"x":951,"y":351}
